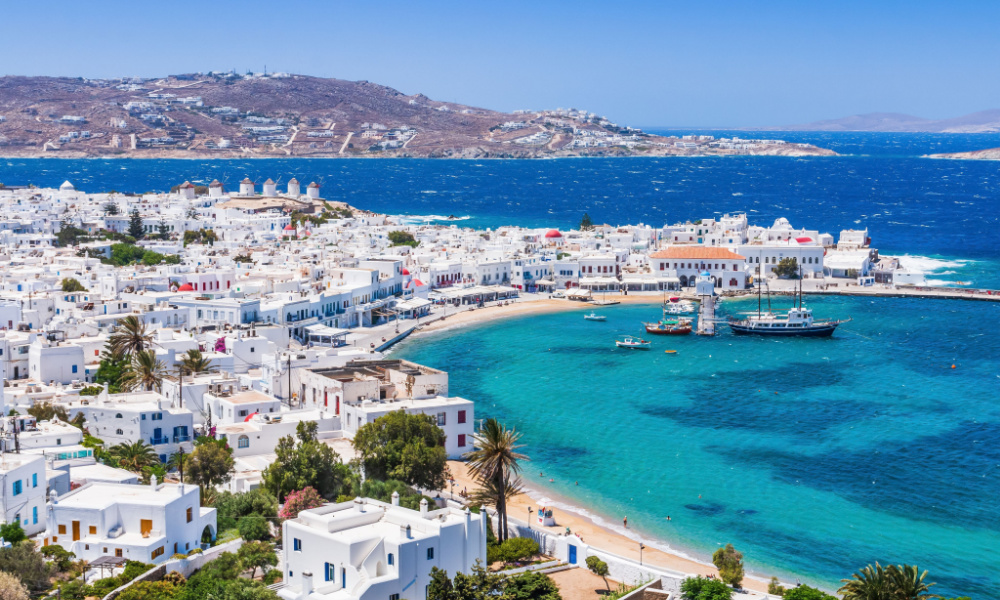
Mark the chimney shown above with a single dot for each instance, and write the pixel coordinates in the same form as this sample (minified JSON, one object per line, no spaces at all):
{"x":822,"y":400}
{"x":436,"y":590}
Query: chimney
{"x":404,"y":530}
{"x":307,"y":583}
{"x":423,"y":508}
{"x":395,"y":498}
{"x":152,"y":482}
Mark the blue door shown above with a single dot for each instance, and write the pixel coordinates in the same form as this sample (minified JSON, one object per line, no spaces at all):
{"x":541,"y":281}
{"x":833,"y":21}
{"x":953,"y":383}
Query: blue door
{"x":572,"y":555}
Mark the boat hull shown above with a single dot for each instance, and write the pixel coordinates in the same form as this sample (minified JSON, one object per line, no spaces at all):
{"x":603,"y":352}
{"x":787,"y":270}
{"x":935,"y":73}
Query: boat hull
{"x":668,"y":330}
{"x":824,"y":330}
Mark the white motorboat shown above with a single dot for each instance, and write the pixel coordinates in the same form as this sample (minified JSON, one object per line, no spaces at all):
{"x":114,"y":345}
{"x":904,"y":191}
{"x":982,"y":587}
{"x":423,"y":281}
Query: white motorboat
{"x":595,"y":317}
{"x":633,"y":343}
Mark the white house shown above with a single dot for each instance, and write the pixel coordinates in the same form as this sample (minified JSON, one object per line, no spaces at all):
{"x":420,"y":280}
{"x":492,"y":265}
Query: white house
{"x":724,"y":266}
{"x":147,"y":523}
{"x":146,"y":416}
{"x":22,"y":490}
{"x":370,"y":550}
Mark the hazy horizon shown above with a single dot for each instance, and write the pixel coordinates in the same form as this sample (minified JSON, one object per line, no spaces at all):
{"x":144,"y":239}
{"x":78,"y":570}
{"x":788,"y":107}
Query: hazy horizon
{"x":727,"y":65}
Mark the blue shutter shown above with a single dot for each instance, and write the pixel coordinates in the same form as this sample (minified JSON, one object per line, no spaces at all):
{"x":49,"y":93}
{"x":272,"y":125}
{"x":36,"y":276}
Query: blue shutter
{"x":34,"y":480}
{"x":326,"y":571}
{"x":34,"y":515}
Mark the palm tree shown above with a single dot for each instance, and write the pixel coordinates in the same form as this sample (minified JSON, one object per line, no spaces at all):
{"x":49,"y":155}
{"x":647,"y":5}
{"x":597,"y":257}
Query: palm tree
{"x":135,"y":456}
{"x":194,"y":362}
{"x":488,"y":493}
{"x":176,"y":461}
{"x":494,"y":463}
{"x":908,"y":583}
{"x":130,"y":337}
{"x":870,"y":583}
{"x":145,"y":372}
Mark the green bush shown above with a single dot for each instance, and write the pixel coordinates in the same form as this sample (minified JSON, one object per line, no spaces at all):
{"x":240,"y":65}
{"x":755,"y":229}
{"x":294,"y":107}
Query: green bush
{"x":703,"y":588}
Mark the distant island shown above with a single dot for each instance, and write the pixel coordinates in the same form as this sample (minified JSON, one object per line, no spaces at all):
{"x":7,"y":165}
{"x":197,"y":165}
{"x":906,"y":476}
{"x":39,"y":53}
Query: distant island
{"x":271,"y":115}
{"x":987,"y":121}
{"x":988,"y":154}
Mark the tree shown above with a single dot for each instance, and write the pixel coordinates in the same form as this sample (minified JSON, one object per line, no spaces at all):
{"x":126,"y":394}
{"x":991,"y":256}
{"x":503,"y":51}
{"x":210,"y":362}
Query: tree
{"x":531,"y":586}
{"x":12,"y":532}
{"x":908,"y":583}
{"x":231,"y":508}
{"x":195,"y":362}
{"x":145,"y":372}
{"x":775,"y":588}
{"x":496,"y":461}
{"x":787,"y":268}
{"x":162,"y":229}
{"x":403,"y":238}
{"x":210,"y":464}
{"x":72,"y":285}
{"x":307,"y":463}
{"x":150,"y":590}
{"x":69,"y":235}
{"x":382,"y":490}
{"x":585,"y":223}
{"x":243,"y":258}
{"x":111,"y":371}
{"x":150,"y":258}
{"x":60,"y":557}
{"x":304,"y":499}
{"x":110,"y":209}
{"x":513,"y":550}
{"x":134,"y":457}
{"x":804,"y":592}
{"x":257,"y":555}
{"x":406,"y":447}
{"x":703,"y":588}
{"x":11,"y":588}
{"x":177,"y":461}
{"x":600,"y":568}
{"x":46,"y":411}
{"x":254,"y":528}
{"x":129,"y":337}
{"x":729,"y":562}
{"x":478,"y":585}
{"x":135,"y":228}
{"x":125,"y":254}
{"x":29,"y":566}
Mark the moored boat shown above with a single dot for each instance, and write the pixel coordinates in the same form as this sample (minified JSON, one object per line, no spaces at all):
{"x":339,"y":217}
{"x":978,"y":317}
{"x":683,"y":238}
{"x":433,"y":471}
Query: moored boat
{"x":595,"y":317}
{"x":633,"y":343}
{"x":667,"y":327}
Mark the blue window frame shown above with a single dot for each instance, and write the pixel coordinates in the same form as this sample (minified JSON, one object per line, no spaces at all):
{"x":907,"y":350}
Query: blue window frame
{"x":74,"y":368}
{"x":430,"y":553}
{"x":34,"y":480}
{"x":297,"y":544}
{"x":34,"y":515}
{"x":18,"y":487}
{"x":390,"y":559}
{"x":331,"y":572}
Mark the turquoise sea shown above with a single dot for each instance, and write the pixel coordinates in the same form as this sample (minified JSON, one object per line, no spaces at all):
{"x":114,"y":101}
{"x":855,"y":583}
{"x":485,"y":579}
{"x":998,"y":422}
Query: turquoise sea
{"x":814,"y":456}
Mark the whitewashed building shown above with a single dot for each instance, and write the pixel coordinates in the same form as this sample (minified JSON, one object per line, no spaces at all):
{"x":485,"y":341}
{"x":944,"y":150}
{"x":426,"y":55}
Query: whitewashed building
{"x":23,"y":485}
{"x":370,"y":550}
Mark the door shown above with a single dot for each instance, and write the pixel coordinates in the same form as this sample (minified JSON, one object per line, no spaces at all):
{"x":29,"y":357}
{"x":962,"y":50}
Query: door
{"x":572,"y":554}
{"x":145,"y":527}
{"x":76,"y":530}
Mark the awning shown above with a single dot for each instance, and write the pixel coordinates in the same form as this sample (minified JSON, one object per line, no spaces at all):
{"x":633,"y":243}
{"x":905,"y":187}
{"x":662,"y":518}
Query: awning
{"x":326,"y":331}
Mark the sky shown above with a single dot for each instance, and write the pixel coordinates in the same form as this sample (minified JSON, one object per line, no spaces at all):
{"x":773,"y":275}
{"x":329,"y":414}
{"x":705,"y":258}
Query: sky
{"x":698,"y":63}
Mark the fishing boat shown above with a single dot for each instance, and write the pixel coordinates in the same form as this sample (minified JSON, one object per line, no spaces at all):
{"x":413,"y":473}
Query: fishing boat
{"x":667,"y":326}
{"x":595,"y":317}
{"x":632,"y":343}
{"x":797,"y":322}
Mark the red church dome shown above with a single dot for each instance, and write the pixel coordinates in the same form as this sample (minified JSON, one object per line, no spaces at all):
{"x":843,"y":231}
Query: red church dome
{"x":187,"y":287}
{"x":553,"y":234}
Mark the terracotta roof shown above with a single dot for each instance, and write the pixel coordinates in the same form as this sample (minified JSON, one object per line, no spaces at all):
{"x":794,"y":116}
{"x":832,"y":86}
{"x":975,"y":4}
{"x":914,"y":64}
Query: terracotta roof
{"x":696,"y":252}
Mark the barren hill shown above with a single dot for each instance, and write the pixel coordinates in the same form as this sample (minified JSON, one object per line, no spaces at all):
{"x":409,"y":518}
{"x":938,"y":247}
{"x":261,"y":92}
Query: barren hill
{"x":987,"y":121}
{"x":227,"y":115}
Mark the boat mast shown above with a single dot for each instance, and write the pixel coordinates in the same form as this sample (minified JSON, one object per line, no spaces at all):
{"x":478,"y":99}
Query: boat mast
{"x":758,"y":294}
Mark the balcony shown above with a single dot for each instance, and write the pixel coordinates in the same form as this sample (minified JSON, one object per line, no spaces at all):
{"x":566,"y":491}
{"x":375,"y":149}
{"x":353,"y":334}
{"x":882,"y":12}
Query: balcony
{"x":181,"y":438}
{"x":154,"y":441}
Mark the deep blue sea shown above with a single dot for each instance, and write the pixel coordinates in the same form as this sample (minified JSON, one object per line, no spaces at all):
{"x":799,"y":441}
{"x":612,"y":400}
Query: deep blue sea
{"x":814,"y":457}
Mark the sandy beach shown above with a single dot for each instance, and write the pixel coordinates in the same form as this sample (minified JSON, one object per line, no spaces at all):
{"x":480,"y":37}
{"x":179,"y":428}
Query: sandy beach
{"x":599,"y":536}
{"x":464,"y":317}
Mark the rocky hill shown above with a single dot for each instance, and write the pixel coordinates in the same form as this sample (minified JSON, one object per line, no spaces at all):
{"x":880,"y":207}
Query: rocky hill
{"x":987,"y":121}
{"x":276,"y":115}
{"x":988,"y":154}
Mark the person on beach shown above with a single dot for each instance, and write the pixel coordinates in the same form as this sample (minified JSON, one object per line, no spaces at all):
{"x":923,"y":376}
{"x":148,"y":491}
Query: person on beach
{"x":625,"y":521}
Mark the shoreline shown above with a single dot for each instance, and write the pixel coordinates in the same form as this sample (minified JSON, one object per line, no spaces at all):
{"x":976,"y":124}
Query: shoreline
{"x":594,"y":529}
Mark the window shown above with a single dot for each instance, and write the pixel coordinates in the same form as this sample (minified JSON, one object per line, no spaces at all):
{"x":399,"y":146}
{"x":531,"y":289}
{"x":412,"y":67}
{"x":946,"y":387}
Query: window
{"x":118,"y":552}
{"x":156,"y":553}
{"x":330,"y":572}
{"x":119,"y":432}
{"x":62,"y":530}
{"x":461,"y":416}
{"x":430,"y":553}
{"x":190,"y":514}
{"x":393,"y":596}
{"x":157,"y":416}
{"x":441,"y":419}
{"x":34,"y":515}
{"x":74,"y":368}
{"x":390,"y":559}
{"x":461,"y":440}
{"x":92,"y":529}
{"x":34,"y":480}
{"x":243,"y":442}
{"x":297,"y":545}
{"x":19,"y":487}
{"x":119,"y":416}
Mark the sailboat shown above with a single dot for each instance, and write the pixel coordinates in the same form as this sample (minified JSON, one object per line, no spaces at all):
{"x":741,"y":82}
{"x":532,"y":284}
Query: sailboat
{"x":797,"y":322}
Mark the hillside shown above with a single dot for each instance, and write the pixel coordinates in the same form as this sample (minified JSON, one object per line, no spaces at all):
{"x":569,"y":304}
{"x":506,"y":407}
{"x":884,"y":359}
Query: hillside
{"x":277,"y":115}
{"x":988,"y":154}
{"x":987,"y":121}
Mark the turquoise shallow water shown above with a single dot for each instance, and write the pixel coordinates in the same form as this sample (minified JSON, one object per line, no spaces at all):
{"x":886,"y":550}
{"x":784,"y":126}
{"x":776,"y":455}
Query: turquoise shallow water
{"x":814,"y":457}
